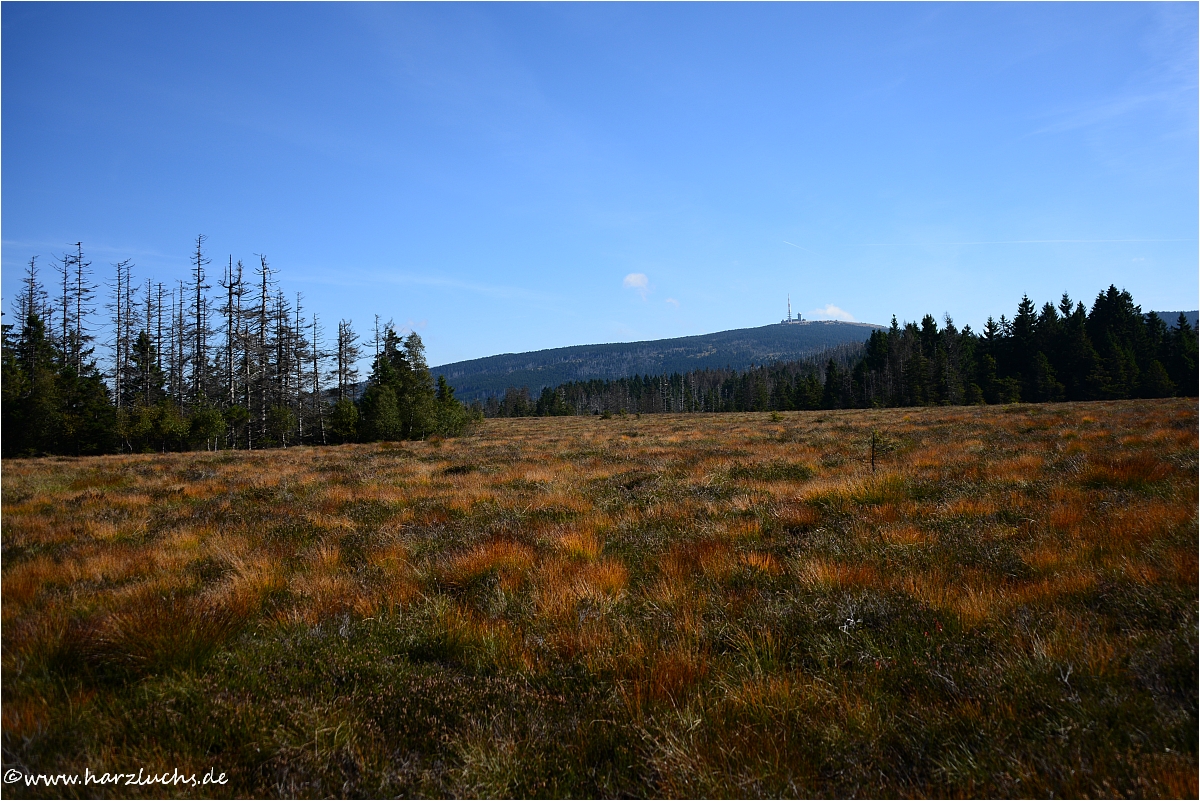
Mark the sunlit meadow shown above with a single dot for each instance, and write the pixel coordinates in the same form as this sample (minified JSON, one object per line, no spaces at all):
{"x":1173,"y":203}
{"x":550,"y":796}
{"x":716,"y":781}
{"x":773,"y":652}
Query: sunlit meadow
{"x":676,"y":605}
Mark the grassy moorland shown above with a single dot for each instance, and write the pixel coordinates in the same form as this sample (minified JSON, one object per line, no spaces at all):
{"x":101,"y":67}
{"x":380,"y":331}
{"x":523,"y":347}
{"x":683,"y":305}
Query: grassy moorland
{"x":728,"y":605}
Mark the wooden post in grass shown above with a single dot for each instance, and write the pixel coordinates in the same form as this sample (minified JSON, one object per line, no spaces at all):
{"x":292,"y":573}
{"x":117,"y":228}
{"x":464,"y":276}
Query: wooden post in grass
{"x":872,"y":450}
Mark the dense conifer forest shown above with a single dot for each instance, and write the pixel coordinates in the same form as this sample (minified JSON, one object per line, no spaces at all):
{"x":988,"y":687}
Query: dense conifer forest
{"x":183,"y":367}
{"x":1057,"y":353}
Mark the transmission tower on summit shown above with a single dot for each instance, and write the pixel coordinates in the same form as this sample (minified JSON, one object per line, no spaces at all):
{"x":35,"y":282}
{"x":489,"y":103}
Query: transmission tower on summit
{"x":789,"y":320}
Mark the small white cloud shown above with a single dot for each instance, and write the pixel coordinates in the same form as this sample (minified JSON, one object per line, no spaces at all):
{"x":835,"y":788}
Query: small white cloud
{"x":639,"y":282}
{"x":673,"y":302}
{"x":831,"y":312}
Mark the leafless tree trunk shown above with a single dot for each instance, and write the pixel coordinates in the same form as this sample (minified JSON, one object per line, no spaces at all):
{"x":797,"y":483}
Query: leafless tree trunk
{"x":316,"y":377}
{"x":234,"y":287}
{"x":263,"y":312}
{"x":123,"y":314}
{"x":64,"y":269}
{"x":158,"y":338}
{"x":297,"y":354}
{"x":200,"y":324}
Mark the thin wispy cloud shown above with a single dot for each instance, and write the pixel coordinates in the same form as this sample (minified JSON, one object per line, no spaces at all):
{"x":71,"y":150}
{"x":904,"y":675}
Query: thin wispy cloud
{"x":1104,"y":111}
{"x":798,"y":247}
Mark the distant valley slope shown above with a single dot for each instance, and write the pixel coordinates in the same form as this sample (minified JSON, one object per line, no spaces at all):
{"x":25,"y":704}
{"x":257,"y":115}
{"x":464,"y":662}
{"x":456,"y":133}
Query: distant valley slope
{"x":480,"y":378}
{"x":1170,"y":317}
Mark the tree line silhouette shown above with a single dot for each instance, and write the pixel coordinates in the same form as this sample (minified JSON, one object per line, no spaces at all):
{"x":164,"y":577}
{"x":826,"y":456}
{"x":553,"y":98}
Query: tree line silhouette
{"x":184,"y":368}
{"x":246,"y":369}
{"x":1057,"y":353}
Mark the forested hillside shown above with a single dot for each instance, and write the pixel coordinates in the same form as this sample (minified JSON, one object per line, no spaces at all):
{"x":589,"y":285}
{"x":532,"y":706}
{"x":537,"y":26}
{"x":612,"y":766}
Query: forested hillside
{"x":738,"y":349}
{"x":1055,"y":353}
{"x":1191,"y":316}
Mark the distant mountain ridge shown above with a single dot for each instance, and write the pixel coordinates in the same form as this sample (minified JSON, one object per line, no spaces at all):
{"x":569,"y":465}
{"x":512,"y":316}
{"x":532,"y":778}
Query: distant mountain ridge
{"x":1169,"y":317}
{"x":737,"y":349}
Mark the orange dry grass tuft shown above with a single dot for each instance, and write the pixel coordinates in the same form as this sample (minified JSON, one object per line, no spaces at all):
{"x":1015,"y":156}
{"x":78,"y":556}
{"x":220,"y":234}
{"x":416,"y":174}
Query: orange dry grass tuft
{"x":1129,"y":471}
{"x":1062,"y":582}
{"x":935,"y":457}
{"x":663,"y":676}
{"x":887,"y":512}
{"x":253,"y":575}
{"x":150,"y":631}
{"x":972,"y":508}
{"x":568,"y":500}
{"x":1067,"y":518}
{"x":24,"y":581}
{"x":971,"y":598}
{"x":560,"y":584}
{"x":743,"y":529}
{"x":602,"y":580}
{"x":906,"y":536}
{"x":717,"y":559}
{"x":761,"y":562}
{"x":1047,"y":556}
{"x":334,"y":497}
{"x":822,"y":574}
{"x":100,"y":530}
{"x":673,"y":673}
{"x":583,"y":544}
{"x":776,"y":698}
{"x":1020,"y":468}
{"x":511,"y":560}
{"x":393,"y":564}
{"x":323,"y":595}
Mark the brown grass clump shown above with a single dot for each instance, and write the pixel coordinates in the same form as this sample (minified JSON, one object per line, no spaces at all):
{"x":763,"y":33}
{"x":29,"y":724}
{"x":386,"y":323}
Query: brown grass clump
{"x":761,"y":562}
{"x":822,"y":574}
{"x":972,"y":507}
{"x":581,"y":544}
{"x":716,"y":559}
{"x":743,"y":529}
{"x":151,"y":632}
{"x":602,"y":580}
{"x":510,"y":560}
{"x":905,"y":536}
{"x":1135,"y":470}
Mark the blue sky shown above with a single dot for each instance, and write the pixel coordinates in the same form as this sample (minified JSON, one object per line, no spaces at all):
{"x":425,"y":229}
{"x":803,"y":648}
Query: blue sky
{"x":512,"y":177}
